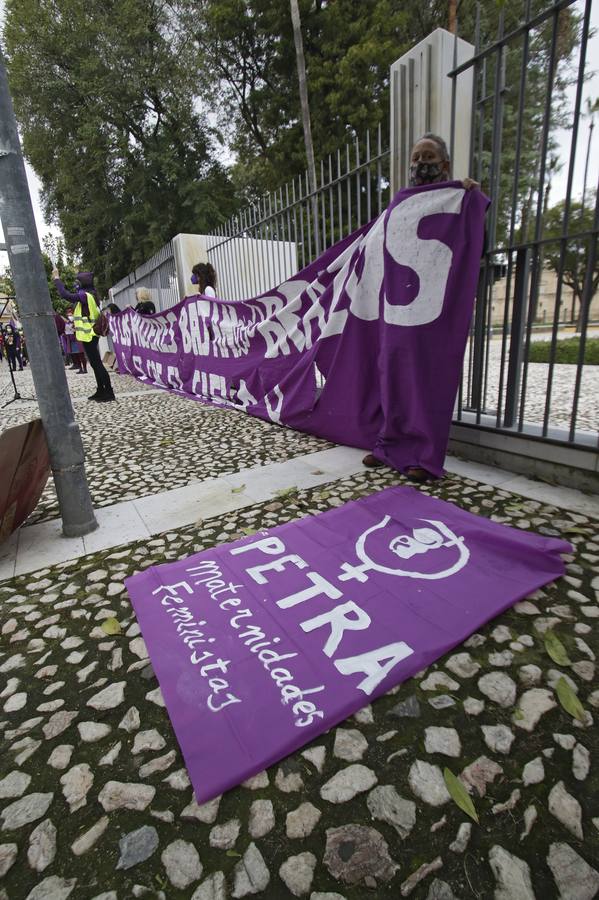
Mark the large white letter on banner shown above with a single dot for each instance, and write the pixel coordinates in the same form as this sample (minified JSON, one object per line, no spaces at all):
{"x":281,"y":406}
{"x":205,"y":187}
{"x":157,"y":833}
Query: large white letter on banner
{"x":430,"y":259}
{"x":370,"y":664}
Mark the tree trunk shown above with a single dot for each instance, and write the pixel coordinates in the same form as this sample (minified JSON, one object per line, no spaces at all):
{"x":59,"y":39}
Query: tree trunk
{"x":453,"y":12}
{"x":303,"y":92}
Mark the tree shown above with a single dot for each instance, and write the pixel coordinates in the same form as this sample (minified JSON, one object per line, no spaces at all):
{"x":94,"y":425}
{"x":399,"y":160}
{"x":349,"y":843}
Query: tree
{"x":528,"y":120}
{"x":305,"y":106}
{"x":576,"y":255}
{"x":7,"y":288}
{"x":246,"y":70}
{"x":592,"y":108}
{"x":54,"y":251}
{"x":105,"y":100}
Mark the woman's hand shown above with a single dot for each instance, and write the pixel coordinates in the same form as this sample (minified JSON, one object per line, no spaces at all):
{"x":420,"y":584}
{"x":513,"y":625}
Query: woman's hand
{"x":55,"y":273}
{"x":471,"y":185}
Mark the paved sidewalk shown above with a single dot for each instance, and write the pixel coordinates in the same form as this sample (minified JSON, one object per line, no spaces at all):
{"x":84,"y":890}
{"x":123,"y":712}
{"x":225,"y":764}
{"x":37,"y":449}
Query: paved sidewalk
{"x":95,"y":801}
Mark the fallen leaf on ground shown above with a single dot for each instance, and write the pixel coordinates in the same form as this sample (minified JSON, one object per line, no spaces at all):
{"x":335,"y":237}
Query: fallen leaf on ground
{"x":556,"y":649}
{"x":569,"y":700}
{"x":459,"y":794}
{"x":111,"y":626}
{"x":284,"y":492}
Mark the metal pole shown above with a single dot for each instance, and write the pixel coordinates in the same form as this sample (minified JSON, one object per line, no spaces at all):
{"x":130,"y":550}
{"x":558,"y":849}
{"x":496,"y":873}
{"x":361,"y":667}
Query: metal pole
{"x":36,"y":313}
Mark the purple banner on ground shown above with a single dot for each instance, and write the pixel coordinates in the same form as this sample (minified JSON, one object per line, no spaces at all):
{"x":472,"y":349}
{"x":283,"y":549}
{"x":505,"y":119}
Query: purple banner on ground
{"x":363,"y":347}
{"x":262,"y":644}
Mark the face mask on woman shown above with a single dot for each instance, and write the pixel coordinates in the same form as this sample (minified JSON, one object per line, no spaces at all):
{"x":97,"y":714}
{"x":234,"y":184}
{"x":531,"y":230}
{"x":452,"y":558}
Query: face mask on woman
{"x":426,"y":173}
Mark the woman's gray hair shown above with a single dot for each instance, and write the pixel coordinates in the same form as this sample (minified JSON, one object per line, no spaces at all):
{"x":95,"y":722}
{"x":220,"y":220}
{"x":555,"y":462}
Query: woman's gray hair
{"x":142,"y":294}
{"x":429,"y":136}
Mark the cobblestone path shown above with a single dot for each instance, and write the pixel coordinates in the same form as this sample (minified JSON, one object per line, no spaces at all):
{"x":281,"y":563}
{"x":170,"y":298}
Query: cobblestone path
{"x":95,"y":801}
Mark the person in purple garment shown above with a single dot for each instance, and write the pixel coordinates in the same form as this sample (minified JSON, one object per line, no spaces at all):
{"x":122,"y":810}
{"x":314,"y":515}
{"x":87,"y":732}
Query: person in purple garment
{"x":12,"y":343}
{"x":85,"y":300}
{"x":429,"y":164}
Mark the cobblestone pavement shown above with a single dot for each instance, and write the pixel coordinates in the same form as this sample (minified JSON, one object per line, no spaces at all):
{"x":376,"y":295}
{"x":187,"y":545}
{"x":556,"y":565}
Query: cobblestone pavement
{"x":562,"y":391}
{"x":152,"y":441}
{"x":96,"y":803}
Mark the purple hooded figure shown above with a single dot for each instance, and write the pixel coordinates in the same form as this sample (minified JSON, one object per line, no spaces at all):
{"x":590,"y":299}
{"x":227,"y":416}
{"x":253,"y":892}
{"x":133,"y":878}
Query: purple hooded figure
{"x":84,"y":297}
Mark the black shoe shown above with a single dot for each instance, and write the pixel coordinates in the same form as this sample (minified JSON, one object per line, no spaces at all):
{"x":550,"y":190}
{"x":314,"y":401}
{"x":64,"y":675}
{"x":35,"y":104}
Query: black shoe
{"x":95,"y":396}
{"x":372,"y":462}
{"x":105,"y":396}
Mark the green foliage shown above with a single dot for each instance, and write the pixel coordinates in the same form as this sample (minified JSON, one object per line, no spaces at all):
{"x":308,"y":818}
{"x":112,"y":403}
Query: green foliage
{"x":113,"y":102}
{"x":573,"y":260}
{"x":247,"y":68}
{"x":526,"y":79}
{"x":105,"y":99}
{"x":566,"y":351}
{"x":54,"y":251}
{"x":7,"y":288}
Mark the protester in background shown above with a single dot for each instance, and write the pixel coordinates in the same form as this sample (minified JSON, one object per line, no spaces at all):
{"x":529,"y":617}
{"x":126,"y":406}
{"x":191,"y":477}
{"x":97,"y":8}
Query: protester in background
{"x":75,"y":347}
{"x":429,"y":164}
{"x":86,"y":312}
{"x":144,"y":306}
{"x":204,"y":275}
{"x":112,"y":308}
{"x":23,"y":347}
{"x":12,"y":342}
{"x":1,"y":344}
{"x":60,"y":323}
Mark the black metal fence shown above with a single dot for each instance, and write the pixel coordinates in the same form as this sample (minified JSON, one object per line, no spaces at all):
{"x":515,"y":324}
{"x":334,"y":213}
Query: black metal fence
{"x":157,"y":274}
{"x":529,"y":84}
{"x":540,"y":269}
{"x":289,"y":228}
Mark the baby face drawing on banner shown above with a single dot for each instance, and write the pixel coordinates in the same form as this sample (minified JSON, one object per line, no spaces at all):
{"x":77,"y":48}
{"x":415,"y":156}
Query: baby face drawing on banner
{"x":382,"y":549}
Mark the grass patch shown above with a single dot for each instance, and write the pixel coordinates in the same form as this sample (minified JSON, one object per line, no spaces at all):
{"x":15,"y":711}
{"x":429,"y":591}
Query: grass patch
{"x":566,"y":351}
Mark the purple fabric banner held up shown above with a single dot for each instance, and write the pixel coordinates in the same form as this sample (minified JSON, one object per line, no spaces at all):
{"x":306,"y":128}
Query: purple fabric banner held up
{"x":363,"y":347}
{"x":262,"y":644}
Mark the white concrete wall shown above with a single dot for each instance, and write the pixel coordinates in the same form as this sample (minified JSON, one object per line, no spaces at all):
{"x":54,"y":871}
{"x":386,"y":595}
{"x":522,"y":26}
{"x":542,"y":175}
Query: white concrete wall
{"x":421,"y":94}
{"x":189,"y":249}
{"x":247,"y":266}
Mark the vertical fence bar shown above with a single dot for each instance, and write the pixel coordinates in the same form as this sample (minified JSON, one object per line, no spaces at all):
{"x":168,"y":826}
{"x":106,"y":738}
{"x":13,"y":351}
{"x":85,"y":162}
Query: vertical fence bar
{"x":309,"y":207}
{"x":339,"y":194}
{"x":567,"y":207}
{"x":305,"y":257}
{"x":348,"y":182}
{"x":516,"y":373}
{"x":323,"y":212}
{"x":379,"y":175}
{"x":252,"y":248}
{"x":368,"y":200}
{"x":585,"y":301}
{"x":358,"y":184}
{"x":535,"y":266}
{"x":331,"y":205}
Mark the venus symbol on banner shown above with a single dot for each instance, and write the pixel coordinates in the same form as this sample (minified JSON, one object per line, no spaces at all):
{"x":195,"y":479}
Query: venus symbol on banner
{"x":422,"y":540}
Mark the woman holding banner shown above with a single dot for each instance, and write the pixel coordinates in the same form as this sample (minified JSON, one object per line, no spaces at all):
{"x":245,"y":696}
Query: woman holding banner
{"x":429,"y":164}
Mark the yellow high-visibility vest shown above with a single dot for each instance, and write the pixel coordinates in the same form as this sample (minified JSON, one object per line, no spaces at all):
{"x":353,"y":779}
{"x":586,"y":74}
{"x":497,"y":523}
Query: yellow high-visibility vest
{"x":83,"y":324}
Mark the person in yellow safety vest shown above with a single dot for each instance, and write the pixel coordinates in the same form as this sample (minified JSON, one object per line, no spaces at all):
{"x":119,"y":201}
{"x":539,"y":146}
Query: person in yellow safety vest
{"x":84,"y":297}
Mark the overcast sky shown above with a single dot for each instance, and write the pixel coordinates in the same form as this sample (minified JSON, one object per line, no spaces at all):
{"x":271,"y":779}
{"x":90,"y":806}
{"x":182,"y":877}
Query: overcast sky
{"x":564,"y":138}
